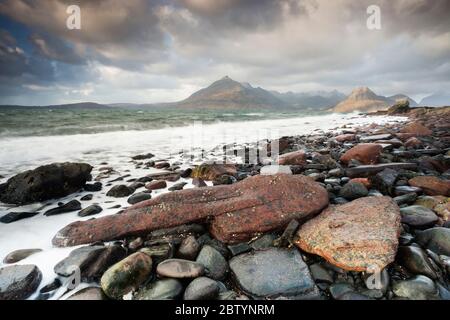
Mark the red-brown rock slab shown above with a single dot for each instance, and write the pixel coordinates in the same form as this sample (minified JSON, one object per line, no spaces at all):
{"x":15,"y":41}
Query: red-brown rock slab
{"x":236,"y":212}
{"x":366,"y":153}
{"x":210,"y":172}
{"x":405,"y":136}
{"x":357,"y":236}
{"x":155,"y":185}
{"x":345,"y":137}
{"x":432,"y":186}
{"x":296,"y":158}
{"x":413,"y":143}
{"x":417,"y":129}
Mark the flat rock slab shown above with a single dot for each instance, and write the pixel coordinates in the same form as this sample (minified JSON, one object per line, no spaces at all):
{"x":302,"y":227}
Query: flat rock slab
{"x":366,"y":153}
{"x":19,"y":282}
{"x":432,"y":186}
{"x":274,"y":273}
{"x":237,"y":212}
{"x":356,"y":236}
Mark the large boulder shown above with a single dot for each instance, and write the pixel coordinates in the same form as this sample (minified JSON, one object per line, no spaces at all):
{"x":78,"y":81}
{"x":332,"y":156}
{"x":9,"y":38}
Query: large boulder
{"x":361,"y":235}
{"x":237,"y":212}
{"x":47,"y":182}
{"x":274,"y":273}
{"x":366,"y":153}
{"x":18,"y":282}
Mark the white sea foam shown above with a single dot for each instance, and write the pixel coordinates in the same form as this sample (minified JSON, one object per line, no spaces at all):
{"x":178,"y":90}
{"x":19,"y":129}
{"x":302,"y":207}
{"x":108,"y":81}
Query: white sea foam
{"x":115,"y":148}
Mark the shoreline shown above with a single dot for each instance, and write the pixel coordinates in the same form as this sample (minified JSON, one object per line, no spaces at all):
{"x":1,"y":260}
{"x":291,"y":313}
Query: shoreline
{"x":314,"y":145}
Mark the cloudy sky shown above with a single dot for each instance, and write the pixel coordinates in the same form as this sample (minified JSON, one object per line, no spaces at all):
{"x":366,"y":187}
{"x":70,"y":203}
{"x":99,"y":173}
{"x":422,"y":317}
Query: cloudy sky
{"x":146,"y":51}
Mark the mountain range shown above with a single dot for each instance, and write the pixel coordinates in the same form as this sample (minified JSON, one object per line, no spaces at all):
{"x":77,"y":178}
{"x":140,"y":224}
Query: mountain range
{"x":227,"y":93}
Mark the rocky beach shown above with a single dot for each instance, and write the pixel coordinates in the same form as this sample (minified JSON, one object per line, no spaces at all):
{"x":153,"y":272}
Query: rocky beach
{"x":358,"y":211}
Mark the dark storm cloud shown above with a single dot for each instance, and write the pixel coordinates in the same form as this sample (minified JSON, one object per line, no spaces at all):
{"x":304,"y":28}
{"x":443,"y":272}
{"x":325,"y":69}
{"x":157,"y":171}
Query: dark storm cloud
{"x":157,"y":50}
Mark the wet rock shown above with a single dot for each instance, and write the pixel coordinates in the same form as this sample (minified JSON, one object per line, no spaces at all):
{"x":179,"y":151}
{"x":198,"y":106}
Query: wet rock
{"x":405,"y":199}
{"x":297,"y":158}
{"x":189,"y":248}
{"x":261,"y":204}
{"x":224,"y":179}
{"x":274,"y":273}
{"x":416,"y":261}
{"x":413,"y":143}
{"x":356,"y":236}
{"x":417,"y":129}
{"x":92,"y":261}
{"x":178,"y":268}
{"x":370,"y":170}
{"x":47,"y":182}
{"x":18,"y":282}
{"x":210,"y":172}
{"x":202,"y":289}
{"x":385,"y":181}
{"x":353,"y":190}
{"x":52,"y":286}
{"x":239,"y":248}
{"x":94,"y":187}
{"x":70,"y":206}
{"x":137,"y":185}
{"x":287,"y":238}
{"x":264,"y":242}
{"x":120,"y":191}
{"x":435,"y":239}
{"x":177,"y":186}
{"x":431,"y":185}
{"x":126,"y":275}
{"x":143,"y":156}
{"x":345,"y":137}
{"x":89,"y":293}
{"x":366,"y":153}
{"x":338,"y":290}
{"x":164,"y":289}
{"x":16,"y":216}
{"x":418,"y":217}
{"x":90,"y":211}
{"x":155,"y":185}
{"x":159,"y":252}
{"x":417,"y":288}
{"x":139,"y":197}
{"x":87,"y":197}
{"x":402,"y":190}
{"x":199,"y":183}
{"x":19,"y":255}
{"x":186,"y":173}
{"x":216,"y":267}
{"x":374,"y":138}
{"x":320,"y":274}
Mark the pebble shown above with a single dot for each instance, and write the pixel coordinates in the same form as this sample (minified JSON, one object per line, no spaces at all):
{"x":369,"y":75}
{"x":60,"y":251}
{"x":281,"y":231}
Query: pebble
{"x":19,"y":255}
{"x":418,"y":217}
{"x":164,"y":289}
{"x":189,"y":248}
{"x":18,"y":282}
{"x":202,"y":288}
{"x":418,"y":288}
{"x":353,"y":190}
{"x":216,"y":267}
{"x":120,"y":191}
{"x":70,"y":206}
{"x":179,"y":268}
{"x":416,"y":261}
{"x":90,"y":211}
{"x":139,"y":197}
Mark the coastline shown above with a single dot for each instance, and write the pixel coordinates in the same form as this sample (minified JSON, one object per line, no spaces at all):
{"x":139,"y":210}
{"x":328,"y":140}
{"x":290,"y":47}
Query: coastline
{"x":40,"y":229}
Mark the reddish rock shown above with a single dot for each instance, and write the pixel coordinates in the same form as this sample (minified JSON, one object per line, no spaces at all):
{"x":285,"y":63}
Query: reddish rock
{"x":417,"y":129}
{"x":237,"y":212}
{"x":345,"y":137}
{"x":210,"y":172}
{"x":432,"y":186}
{"x":155,"y":185}
{"x":356,"y":236}
{"x":405,"y":136}
{"x":364,"y":181}
{"x":413,"y":143}
{"x":366,"y":153}
{"x":162,"y":165}
{"x":296,"y":158}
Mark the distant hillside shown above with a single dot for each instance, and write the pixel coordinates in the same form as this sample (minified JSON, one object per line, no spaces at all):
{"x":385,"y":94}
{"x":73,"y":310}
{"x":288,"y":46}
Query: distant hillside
{"x":436,"y":100}
{"x":76,"y":106}
{"x":365,"y":100}
{"x":229,"y":94}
